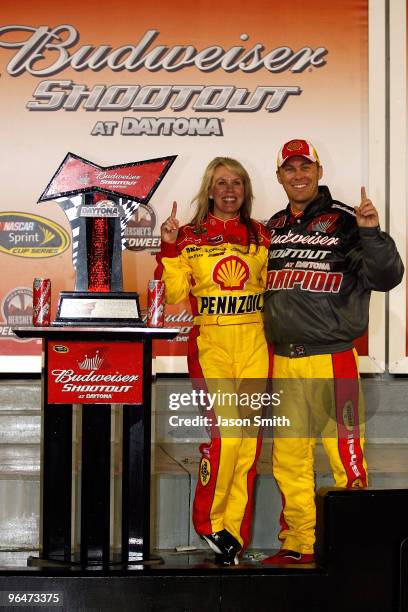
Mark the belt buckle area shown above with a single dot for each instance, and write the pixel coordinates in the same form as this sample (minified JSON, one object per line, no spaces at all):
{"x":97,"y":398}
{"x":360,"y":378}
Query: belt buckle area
{"x":297,"y":350}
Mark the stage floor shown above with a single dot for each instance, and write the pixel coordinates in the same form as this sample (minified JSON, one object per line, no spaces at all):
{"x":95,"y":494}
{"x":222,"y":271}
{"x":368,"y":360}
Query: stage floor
{"x":162,"y":560}
{"x":179,"y":583}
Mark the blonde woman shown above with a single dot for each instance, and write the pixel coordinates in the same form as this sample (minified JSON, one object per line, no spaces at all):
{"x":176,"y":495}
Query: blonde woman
{"x":219,"y":262}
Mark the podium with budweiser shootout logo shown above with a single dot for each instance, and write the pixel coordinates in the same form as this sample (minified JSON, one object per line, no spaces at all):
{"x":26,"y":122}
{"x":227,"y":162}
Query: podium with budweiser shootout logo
{"x":97,"y":353}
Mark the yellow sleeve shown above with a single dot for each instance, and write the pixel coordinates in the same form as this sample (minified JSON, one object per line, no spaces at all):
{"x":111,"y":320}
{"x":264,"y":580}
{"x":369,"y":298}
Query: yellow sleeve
{"x":174,"y":269}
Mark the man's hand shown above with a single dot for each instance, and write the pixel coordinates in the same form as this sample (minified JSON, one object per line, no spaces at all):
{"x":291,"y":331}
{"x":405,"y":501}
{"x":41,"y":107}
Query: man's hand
{"x":366,"y":213}
{"x":169,"y":229}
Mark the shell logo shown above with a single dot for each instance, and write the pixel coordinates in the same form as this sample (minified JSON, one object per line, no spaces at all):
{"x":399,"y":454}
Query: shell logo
{"x":357,"y":484}
{"x":295,"y":145}
{"x":231,"y":273}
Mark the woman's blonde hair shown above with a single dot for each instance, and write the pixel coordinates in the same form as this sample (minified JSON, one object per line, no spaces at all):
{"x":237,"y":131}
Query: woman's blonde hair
{"x":204,"y":204}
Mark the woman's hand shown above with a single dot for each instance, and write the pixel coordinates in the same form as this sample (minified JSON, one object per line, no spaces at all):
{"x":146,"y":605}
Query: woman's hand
{"x":169,"y":229}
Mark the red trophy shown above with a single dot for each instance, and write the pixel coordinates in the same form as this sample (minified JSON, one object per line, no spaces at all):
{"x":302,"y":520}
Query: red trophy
{"x":99,"y":202}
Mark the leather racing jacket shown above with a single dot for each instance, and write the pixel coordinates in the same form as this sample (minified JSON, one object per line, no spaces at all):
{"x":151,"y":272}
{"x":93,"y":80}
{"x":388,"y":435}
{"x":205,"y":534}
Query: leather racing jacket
{"x":213,"y":266}
{"x":321,"y":270}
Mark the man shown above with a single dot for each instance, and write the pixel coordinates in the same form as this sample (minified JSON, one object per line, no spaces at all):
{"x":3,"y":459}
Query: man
{"x":324,"y":259}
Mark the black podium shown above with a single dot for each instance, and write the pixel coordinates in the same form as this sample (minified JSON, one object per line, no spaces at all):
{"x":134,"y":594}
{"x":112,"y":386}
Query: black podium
{"x":56,"y":534}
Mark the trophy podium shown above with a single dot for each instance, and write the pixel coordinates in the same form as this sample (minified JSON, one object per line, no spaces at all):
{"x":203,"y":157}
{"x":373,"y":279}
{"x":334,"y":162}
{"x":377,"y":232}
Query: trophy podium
{"x":97,"y":353}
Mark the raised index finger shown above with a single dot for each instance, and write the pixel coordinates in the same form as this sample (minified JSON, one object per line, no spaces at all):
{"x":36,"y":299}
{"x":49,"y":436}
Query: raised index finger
{"x":174,"y":210}
{"x":363,"y":194}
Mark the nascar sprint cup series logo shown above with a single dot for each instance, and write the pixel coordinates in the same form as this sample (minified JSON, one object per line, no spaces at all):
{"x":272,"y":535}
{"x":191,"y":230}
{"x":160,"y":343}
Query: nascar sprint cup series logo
{"x":26,"y":235}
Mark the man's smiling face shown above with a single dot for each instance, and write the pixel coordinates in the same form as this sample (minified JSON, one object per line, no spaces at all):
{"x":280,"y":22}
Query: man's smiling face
{"x":300,"y":178}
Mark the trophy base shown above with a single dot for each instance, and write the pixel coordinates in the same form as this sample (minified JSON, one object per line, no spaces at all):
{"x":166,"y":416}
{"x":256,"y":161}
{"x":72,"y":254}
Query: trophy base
{"x":87,"y":308}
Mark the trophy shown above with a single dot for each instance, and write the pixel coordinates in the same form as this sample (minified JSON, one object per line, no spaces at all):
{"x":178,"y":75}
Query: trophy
{"x":99,"y":202}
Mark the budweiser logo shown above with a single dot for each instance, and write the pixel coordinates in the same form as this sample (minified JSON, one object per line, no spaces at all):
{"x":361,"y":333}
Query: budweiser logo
{"x":95,"y":372}
{"x":293,"y":238}
{"x":64,"y":376}
{"x":41,"y":308}
{"x":60,"y":49}
{"x":91,"y":363}
{"x":56,"y":46}
{"x":113,"y":178}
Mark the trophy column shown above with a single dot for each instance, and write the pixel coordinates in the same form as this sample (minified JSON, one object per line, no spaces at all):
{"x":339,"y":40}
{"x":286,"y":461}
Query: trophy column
{"x":65,"y":385}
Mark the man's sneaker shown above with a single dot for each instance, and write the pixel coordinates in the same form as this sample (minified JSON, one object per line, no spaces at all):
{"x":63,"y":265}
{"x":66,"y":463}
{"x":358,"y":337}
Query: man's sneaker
{"x":289,"y":557}
{"x":225,"y":546}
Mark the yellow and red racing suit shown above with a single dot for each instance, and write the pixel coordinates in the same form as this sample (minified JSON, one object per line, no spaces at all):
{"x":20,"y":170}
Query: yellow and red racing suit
{"x":224,"y":278}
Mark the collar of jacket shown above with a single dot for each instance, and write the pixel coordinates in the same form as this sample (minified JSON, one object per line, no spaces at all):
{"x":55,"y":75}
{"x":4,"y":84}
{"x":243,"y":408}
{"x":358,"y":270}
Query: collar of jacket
{"x":322,"y":201}
{"x":215,"y":223}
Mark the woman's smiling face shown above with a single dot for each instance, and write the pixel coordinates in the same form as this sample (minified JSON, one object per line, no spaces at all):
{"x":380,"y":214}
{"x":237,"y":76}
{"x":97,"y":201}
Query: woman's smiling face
{"x":228,"y":192}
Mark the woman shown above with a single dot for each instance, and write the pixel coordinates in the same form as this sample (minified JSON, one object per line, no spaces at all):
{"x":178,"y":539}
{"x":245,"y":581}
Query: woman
{"x":219,"y":261}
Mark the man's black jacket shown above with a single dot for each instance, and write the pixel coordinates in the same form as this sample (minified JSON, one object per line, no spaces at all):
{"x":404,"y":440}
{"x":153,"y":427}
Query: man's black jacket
{"x":321,"y":270}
